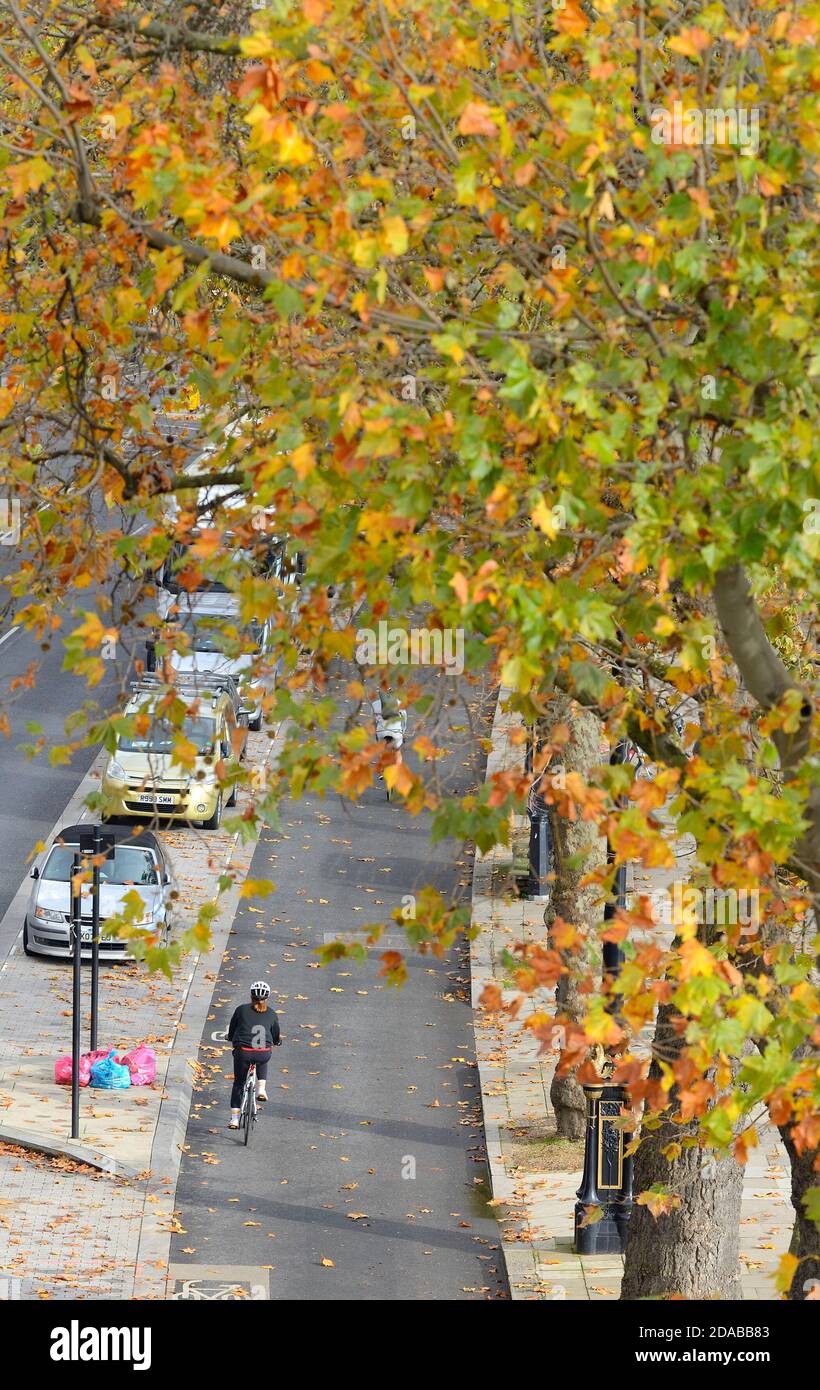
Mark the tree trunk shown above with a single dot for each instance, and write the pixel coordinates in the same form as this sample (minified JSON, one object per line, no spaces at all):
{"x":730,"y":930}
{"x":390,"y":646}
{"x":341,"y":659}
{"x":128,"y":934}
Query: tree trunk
{"x":693,"y":1250}
{"x":806,"y":1237}
{"x":578,"y":848}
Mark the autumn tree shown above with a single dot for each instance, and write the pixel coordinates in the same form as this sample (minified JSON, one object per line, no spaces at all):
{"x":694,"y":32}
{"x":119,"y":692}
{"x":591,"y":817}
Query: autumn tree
{"x":502,"y":310}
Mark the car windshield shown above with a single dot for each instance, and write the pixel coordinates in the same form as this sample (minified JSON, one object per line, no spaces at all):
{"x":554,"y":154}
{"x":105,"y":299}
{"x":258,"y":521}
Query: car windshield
{"x":181,"y":556}
{"x":162,"y":736}
{"x":202,"y":633}
{"x":129,"y":865}
{"x":205,"y":635}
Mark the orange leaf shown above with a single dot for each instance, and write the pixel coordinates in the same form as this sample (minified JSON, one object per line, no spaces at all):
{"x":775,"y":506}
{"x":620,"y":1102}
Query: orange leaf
{"x":490,"y":999}
{"x":459,"y":585}
{"x":570,"y":19}
{"x":690,"y":42}
{"x":476,"y":119}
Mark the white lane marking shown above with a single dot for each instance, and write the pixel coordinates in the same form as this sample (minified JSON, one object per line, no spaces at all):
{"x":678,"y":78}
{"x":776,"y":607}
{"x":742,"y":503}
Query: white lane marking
{"x":10,"y":633}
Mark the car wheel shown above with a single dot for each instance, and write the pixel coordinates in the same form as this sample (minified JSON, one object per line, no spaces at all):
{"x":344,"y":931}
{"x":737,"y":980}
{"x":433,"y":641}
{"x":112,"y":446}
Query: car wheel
{"x":26,"y":948}
{"x":255,"y":724}
{"x":213,"y":822}
{"x":232,"y":798}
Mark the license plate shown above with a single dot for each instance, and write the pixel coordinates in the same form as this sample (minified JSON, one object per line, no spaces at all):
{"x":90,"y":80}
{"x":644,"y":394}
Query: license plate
{"x":87,"y":934}
{"x":160,"y":799}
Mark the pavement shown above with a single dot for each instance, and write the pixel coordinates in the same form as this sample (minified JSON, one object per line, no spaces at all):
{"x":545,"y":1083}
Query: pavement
{"x":536,"y":1207}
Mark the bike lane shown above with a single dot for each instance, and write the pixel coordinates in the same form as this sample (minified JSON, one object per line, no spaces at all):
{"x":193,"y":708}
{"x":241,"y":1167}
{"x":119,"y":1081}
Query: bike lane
{"x":366,"y":1174}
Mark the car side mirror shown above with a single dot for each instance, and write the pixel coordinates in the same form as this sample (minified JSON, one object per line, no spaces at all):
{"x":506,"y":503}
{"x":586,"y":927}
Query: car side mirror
{"x":35,"y":873}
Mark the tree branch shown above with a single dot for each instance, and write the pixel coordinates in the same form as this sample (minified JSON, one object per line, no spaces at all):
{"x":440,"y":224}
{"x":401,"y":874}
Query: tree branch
{"x":171,"y":36}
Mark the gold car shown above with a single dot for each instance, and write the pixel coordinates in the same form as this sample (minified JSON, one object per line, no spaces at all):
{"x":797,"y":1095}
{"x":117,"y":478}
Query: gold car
{"x":141,"y":777}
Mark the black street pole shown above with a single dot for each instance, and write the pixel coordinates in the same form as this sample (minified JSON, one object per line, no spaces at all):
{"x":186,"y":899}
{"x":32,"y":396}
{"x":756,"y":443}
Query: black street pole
{"x":95,"y":938}
{"x":77,"y":931}
{"x":613,"y":956}
{"x":96,"y":843}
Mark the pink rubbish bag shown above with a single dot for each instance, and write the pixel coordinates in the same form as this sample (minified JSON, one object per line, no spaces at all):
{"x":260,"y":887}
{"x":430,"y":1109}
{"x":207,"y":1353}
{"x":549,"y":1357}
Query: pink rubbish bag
{"x":63,"y":1069}
{"x":92,"y":1057}
{"x":141,"y":1061}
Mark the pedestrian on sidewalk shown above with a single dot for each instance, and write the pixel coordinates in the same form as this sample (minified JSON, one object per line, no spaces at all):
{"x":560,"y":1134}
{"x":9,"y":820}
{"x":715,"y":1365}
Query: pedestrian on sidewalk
{"x":253,"y":1031}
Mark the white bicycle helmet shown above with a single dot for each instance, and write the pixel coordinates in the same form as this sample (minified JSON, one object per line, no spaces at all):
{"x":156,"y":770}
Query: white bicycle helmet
{"x":260,"y":990}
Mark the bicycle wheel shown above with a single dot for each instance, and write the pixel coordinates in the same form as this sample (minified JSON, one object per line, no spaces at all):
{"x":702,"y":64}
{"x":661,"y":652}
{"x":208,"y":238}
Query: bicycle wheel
{"x":250,"y":1111}
{"x":243,"y":1106}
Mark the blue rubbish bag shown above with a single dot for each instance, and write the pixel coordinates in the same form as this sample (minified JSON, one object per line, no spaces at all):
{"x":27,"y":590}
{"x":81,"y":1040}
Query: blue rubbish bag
{"x":110,"y":1074}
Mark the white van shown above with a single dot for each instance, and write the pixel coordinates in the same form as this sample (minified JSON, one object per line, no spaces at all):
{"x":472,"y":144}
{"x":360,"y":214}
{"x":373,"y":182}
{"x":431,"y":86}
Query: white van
{"x":204,"y":618}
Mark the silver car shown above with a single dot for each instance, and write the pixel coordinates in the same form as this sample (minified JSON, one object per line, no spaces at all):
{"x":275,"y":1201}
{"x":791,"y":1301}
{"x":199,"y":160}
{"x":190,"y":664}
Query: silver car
{"x":138,"y":863}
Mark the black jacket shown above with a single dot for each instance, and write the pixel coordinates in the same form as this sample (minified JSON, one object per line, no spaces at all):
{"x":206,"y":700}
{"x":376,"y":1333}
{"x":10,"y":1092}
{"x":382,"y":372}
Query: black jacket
{"x":248,"y":1028}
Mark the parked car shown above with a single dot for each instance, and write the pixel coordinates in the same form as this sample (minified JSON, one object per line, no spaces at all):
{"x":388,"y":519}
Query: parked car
{"x":266,"y":559}
{"x":139,"y":863}
{"x":204,"y":625}
{"x":142,"y":777}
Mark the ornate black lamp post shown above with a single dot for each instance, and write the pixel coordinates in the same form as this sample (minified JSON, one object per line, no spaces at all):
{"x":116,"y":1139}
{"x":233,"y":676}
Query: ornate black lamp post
{"x":607,"y":1177}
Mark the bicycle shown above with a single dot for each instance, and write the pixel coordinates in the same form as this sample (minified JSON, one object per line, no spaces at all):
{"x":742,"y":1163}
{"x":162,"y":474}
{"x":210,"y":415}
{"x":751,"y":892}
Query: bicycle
{"x":391,"y":732}
{"x":248,"y":1110}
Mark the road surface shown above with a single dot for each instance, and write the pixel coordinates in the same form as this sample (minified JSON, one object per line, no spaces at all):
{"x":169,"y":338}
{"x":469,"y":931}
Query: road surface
{"x":366,"y":1175}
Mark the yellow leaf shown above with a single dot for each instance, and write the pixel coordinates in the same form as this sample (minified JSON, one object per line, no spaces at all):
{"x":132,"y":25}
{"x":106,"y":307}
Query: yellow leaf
{"x":303,"y":461}
{"x":606,"y":207}
{"x":256,"y":888}
{"x":292,"y":148}
{"x":185,"y":752}
{"x":394,"y":235}
{"x":398,"y":777}
{"x":695,"y":960}
{"x":543,"y":516}
{"x":94,"y":632}
{"x":29,"y":175}
{"x":257,"y":46}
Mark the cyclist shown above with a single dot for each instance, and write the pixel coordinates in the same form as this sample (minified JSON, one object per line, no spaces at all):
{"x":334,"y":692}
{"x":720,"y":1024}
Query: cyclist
{"x":253,"y":1031}
{"x":391,"y":718}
